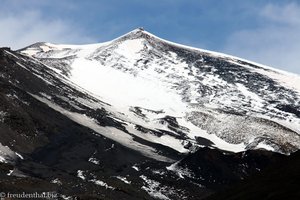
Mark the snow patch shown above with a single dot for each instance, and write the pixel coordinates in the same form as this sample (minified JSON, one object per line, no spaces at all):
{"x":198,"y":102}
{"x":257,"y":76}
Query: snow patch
{"x":265,"y":146}
{"x":57,"y":181}
{"x":165,"y":140}
{"x":6,"y":154}
{"x":181,"y":172}
{"x":94,"y":160}
{"x":135,"y":168}
{"x":19,"y":155}
{"x":137,"y":90}
{"x":10,"y":172}
{"x":154,"y":189}
{"x":101,"y":183}
{"x":124,"y":179}
{"x":80,"y":174}
{"x":110,"y":148}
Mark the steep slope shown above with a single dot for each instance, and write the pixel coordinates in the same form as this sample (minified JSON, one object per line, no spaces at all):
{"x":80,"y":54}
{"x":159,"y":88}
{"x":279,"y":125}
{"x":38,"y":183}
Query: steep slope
{"x":45,"y":147}
{"x":179,"y":96}
{"x":53,"y":139}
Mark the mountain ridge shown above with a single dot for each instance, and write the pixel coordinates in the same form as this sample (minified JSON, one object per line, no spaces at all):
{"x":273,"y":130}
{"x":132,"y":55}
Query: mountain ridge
{"x":141,"y":32}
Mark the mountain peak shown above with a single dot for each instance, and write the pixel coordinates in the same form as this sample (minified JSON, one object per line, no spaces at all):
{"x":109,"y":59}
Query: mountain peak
{"x":139,"y":29}
{"x":139,"y":32}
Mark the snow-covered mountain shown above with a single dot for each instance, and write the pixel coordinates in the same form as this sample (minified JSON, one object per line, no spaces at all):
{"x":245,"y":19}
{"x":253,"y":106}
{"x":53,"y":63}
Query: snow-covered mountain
{"x":179,"y":96}
{"x":140,"y":117}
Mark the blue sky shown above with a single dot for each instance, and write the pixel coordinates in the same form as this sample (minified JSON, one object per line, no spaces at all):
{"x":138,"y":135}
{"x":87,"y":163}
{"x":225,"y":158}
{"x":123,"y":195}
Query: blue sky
{"x":264,"y":31}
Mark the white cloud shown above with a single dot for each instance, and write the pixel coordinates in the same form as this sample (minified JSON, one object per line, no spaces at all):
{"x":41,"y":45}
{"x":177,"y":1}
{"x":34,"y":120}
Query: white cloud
{"x":24,"y":28}
{"x":275,"y":43}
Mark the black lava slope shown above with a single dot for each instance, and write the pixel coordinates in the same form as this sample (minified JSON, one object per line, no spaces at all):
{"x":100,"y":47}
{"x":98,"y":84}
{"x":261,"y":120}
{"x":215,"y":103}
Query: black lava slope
{"x":279,"y":181}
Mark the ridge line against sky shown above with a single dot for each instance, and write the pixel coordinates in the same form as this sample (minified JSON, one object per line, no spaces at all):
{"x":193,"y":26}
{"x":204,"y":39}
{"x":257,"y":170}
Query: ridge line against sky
{"x":266,"y":31}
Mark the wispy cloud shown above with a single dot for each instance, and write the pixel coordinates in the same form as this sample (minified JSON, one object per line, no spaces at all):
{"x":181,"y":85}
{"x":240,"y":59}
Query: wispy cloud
{"x":24,"y":28}
{"x":275,"y":41}
{"x":287,"y":14}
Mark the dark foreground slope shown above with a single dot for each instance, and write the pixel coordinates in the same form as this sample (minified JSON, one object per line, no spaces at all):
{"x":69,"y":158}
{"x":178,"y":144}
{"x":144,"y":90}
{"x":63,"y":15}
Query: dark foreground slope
{"x":279,"y":181}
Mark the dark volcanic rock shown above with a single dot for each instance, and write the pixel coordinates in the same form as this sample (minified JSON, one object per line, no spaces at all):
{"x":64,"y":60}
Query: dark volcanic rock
{"x":278,"y":181}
